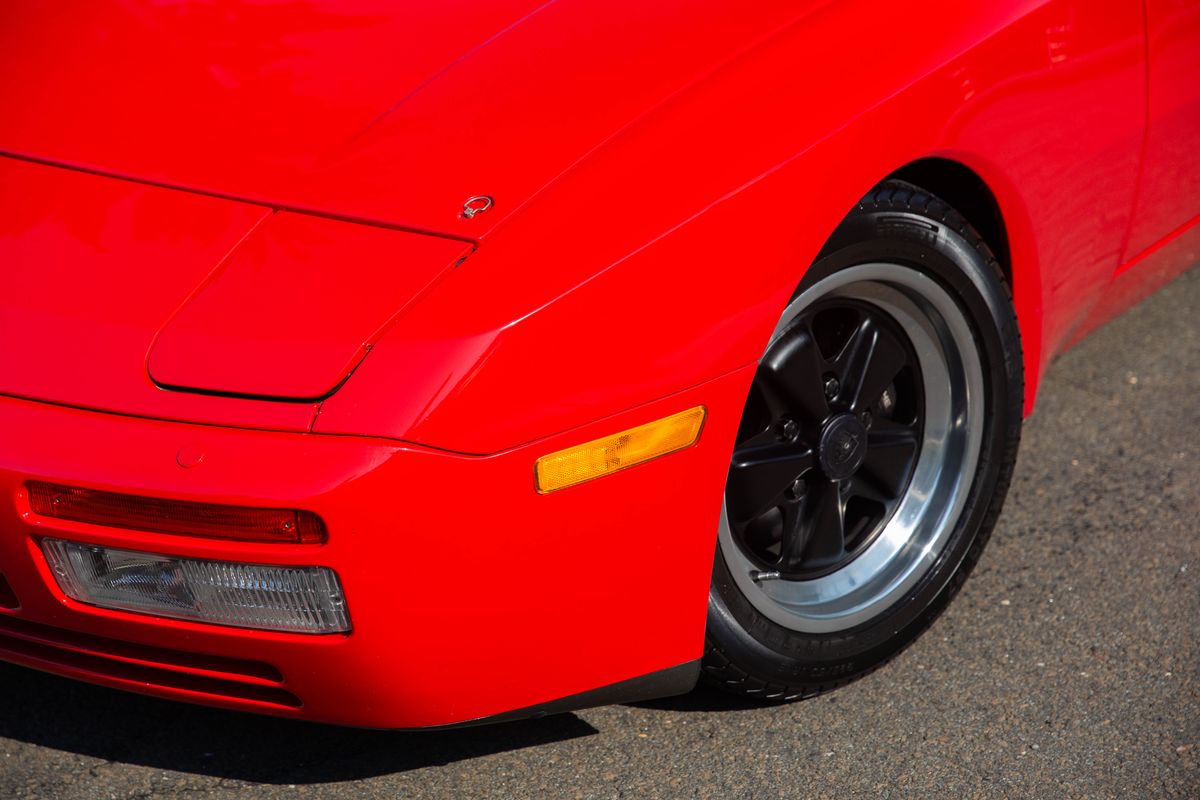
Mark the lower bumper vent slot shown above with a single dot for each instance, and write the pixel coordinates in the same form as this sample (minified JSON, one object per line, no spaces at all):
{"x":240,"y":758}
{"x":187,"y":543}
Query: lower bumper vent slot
{"x":84,"y":656}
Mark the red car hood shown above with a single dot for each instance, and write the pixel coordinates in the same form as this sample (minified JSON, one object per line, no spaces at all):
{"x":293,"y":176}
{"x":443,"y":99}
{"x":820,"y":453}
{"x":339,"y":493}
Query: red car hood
{"x":113,"y":289}
{"x":375,"y":110}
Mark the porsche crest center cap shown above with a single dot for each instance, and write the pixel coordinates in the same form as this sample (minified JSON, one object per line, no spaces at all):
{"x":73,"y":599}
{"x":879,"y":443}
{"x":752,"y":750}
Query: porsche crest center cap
{"x":843,"y":447}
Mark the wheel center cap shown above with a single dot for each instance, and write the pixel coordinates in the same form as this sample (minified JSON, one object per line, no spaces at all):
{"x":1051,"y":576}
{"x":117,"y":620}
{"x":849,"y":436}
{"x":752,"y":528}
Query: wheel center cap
{"x":843,"y":447}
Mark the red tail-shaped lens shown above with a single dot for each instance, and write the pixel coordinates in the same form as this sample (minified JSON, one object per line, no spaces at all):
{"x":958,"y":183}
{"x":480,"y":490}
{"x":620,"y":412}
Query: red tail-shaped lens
{"x":182,"y":517}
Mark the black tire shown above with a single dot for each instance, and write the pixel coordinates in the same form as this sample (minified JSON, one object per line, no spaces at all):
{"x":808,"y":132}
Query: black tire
{"x":749,"y":653}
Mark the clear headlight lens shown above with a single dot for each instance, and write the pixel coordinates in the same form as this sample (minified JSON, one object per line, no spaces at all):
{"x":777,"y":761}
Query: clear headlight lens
{"x":293,"y":599}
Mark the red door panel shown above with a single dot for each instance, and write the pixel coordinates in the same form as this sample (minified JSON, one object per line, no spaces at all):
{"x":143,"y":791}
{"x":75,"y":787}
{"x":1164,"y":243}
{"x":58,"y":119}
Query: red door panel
{"x":1169,"y":194}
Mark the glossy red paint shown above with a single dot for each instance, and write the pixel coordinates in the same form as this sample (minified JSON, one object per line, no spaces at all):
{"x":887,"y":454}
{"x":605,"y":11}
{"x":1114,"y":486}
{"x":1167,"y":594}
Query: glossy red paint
{"x":1171,"y":170}
{"x":460,"y":610}
{"x":295,"y":306}
{"x":236,"y":229}
{"x":94,"y":267}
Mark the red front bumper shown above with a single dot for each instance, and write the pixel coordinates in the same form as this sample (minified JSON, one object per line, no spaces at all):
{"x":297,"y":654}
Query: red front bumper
{"x":470,"y":594}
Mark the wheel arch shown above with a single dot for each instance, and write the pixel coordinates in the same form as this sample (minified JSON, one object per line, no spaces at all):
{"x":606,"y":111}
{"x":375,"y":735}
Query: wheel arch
{"x":962,"y":188}
{"x":995,"y":209}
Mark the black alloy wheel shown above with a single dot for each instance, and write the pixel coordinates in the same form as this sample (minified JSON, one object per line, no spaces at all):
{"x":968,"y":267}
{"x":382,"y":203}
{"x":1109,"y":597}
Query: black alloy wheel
{"x":829,"y":439}
{"x":874,"y":452}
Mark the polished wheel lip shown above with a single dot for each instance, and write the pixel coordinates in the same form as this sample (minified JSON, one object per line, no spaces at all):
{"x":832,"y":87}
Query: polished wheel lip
{"x":914,"y":537}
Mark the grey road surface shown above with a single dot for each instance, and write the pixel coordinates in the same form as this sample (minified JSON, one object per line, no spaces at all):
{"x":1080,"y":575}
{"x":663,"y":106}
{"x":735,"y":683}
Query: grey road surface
{"x":1068,"y":667}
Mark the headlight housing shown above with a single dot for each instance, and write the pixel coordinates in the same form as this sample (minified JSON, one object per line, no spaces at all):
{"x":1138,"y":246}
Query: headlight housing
{"x":260,"y":596}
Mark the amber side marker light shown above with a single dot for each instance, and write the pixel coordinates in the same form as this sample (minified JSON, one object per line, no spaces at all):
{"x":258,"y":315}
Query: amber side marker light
{"x":182,"y":517}
{"x":620,"y":451}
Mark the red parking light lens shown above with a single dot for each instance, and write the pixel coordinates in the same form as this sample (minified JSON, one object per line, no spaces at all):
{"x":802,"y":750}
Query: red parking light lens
{"x":182,"y":517}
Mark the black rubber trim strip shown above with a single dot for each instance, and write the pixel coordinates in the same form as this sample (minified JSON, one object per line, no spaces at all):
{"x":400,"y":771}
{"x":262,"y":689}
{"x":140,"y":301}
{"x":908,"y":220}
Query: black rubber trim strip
{"x":669,"y":682}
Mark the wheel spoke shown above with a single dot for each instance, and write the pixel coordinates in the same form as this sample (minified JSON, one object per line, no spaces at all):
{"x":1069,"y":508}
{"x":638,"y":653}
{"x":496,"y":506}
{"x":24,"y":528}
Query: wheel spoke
{"x":760,"y":435}
{"x":891,"y":452}
{"x":869,"y":361}
{"x":817,"y":534}
{"x":759,"y":476}
{"x":866,"y":486}
{"x":791,"y":374}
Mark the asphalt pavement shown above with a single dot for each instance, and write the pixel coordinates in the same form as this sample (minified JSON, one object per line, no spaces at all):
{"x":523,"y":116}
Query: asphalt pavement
{"x":1068,"y":667}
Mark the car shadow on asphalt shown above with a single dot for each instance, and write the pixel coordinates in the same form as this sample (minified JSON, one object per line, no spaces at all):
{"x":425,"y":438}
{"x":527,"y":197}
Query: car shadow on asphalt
{"x":113,"y":726}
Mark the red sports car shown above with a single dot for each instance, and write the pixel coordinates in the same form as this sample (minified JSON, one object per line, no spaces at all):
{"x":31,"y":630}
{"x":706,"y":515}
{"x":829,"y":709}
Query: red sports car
{"x":410,"y":364}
